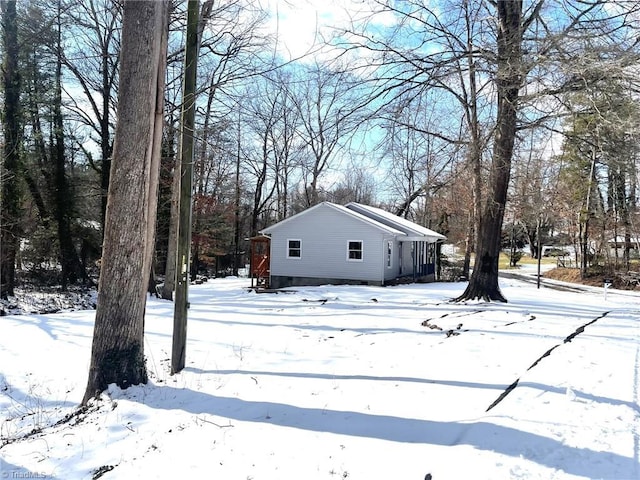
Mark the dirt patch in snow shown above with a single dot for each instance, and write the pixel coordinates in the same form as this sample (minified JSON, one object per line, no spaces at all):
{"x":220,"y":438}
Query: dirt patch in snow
{"x":44,"y":300}
{"x":618,"y":280}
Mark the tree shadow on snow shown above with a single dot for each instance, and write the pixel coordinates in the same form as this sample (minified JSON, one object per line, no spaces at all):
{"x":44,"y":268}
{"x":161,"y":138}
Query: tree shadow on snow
{"x":481,"y":435}
{"x":451,"y":383}
{"x":9,"y":470}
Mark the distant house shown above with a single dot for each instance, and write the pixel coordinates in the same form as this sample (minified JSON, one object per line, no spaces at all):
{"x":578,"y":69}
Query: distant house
{"x":618,"y":244}
{"x":351,"y":244}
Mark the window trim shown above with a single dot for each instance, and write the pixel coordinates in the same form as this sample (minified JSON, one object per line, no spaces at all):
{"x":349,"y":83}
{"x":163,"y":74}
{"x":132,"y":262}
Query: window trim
{"x":289,"y":248}
{"x":361,"y":250}
{"x":389,"y":254}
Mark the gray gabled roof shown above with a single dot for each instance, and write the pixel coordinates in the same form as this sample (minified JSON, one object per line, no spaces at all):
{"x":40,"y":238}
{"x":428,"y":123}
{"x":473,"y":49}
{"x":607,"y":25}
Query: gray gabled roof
{"x":404,"y":229}
{"x":339,"y":208}
{"x":412,"y":230}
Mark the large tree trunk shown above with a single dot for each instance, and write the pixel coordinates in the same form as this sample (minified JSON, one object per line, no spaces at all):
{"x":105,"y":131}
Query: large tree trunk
{"x":476,"y":145}
{"x":118,"y":354}
{"x":10,"y":207}
{"x":483,"y":283}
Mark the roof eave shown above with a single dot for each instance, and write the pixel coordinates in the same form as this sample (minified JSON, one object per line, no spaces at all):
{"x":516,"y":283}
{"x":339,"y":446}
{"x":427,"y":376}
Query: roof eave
{"x":422,"y":238}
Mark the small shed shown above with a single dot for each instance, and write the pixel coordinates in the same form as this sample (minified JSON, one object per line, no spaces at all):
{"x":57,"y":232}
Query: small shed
{"x":259,"y":260}
{"x":350,"y":244}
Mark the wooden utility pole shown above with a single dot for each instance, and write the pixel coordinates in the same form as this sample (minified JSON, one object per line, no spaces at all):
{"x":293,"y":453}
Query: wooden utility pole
{"x":187,"y":121}
{"x":236,"y":227}
{"x":539,"y":240}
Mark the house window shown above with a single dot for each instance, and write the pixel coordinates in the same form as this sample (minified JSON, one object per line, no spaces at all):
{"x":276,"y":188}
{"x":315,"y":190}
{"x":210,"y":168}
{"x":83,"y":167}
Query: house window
{"x":294,"y":248}
{"x":354,"y":251}
{"x":389,"y":252}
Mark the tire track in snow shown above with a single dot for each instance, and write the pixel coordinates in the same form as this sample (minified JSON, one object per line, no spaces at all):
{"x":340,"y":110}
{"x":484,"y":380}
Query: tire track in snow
{"x":577,"y":332}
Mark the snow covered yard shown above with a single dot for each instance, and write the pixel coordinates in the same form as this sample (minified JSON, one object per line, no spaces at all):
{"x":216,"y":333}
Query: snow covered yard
{"x":338,"y":382}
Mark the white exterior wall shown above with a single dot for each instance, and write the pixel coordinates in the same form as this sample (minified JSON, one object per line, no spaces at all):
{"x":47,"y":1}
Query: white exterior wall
{"x":325,"y":235}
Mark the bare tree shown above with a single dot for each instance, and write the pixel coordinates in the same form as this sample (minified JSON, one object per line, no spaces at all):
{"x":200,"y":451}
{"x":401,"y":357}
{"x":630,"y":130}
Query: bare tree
{"x":513,"y":50}
{"x":510,"y":27}
{"x":451,"y":66}
{"x":117,"y":354}
{"x":358,"y":185}
{"x":229,"y":37}
{"x":418,"y":160}
{"x":71,"y":269}
{"x":329,"y":106}
{"x":461,"y":48}
{"x":271,"y":121}
{"x":287,"y":144}
{"x":534,"y":190}
{"x":91,"y":55}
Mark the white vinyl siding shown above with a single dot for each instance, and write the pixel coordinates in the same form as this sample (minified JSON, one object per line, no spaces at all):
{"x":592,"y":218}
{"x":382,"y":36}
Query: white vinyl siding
{"x":384,"y":244}
{"x":324,"y":234}
{"x":294,"y":248}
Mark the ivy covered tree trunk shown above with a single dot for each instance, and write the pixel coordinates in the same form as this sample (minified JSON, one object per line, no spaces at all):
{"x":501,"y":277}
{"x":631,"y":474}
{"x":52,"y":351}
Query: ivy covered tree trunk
{"x":9,"y":174}
{"x":483,"y":283}
{"x":70,"y":264}
{"x":117,"y":354}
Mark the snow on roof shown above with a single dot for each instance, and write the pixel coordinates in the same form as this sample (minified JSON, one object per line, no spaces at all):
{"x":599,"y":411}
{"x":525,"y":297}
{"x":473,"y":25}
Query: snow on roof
{"x":343,"y":209}
{"x":405,"y":229}
{"x":408,"y":227}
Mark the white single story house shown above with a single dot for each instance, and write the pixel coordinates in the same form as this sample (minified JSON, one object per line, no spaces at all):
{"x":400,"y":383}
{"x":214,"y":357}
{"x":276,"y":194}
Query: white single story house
{"x":350,"y":244}
{"x":618,"y":244}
